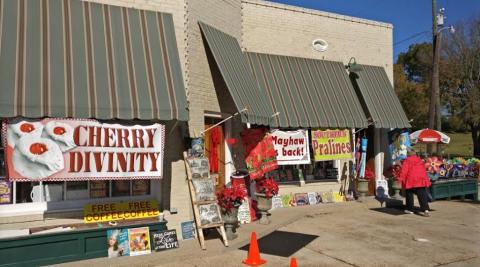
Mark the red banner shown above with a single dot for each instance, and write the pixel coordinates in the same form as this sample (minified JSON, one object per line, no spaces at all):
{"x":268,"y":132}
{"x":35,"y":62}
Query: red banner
{"x":67,"y":149}
{"x":262,"y":158}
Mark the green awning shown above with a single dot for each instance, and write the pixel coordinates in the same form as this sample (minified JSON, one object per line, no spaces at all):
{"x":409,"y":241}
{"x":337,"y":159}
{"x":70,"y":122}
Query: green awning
{"x":87,"y":60}
{"x":307,"y":92}
{"x":234,"y":69}
{"x":379,"y":98}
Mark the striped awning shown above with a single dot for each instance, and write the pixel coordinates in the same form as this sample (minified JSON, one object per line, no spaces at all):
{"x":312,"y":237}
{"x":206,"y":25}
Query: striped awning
{"x":234,"y":69}
{"x":307,"y":92}
{"x":379,"y":98}
{"x":86,"y":60}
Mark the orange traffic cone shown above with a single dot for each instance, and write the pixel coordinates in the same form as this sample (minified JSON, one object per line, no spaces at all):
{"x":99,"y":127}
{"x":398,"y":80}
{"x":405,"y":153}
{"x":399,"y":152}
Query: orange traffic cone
{"x":293,"y":262}
{"x":253,"y":258}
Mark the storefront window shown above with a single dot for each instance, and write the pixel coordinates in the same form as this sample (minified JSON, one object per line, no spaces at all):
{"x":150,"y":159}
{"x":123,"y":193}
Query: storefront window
{"x":99,"y":189}
{"x":77,"y":190}
{"x":28,"y":192}
{"x":317,"y":171}
{"x":53,"y":191}
{"x":120,"y":188}
{"x":140,"y":187}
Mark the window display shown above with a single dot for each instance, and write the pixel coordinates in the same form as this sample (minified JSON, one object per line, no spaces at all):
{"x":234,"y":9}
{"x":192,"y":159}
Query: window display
{"x":140,"y":187}
{"x":120,"y":188}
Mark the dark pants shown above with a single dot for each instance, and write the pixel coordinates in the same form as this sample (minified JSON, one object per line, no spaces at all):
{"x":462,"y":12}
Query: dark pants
{"x":422,"y":196}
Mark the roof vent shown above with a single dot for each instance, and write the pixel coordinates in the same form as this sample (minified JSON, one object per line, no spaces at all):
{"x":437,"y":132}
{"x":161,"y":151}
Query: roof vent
{"x":320,"y":45}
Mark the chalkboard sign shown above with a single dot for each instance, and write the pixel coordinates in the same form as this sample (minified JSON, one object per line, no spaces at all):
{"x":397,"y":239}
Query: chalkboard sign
{"x":209,"y":214}
{"x":163,"y":240}
{"x":188,"y":230}
{"x":244,"y":211}
{"x":199,"y":168}
{"x":204,"y":189}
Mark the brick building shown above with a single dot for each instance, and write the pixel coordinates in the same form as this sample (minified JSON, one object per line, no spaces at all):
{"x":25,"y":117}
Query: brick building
{"x":261,"y":29}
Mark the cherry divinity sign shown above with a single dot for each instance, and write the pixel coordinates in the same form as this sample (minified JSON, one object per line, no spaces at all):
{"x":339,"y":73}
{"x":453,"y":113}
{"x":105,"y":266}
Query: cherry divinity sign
{"x":68,"y":149}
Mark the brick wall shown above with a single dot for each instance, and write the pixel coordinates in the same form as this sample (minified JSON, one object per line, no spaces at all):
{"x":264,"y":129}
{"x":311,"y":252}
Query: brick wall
{"x":287,"y":30}
{"x":225,"y":16}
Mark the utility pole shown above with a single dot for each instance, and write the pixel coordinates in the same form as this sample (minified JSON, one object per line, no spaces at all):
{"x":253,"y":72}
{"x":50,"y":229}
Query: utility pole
{"x":433,"y":99}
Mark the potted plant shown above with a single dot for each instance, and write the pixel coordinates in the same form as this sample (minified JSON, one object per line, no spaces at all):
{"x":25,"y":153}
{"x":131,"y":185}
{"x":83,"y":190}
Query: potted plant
{"x":394,"y":172}
{"x":229,"y":199}
{"x":362,"y":185}
{"x":266,"y":188}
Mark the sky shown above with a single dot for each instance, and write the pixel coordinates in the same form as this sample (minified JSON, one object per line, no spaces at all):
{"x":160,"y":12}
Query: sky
{"x":409,"y":17}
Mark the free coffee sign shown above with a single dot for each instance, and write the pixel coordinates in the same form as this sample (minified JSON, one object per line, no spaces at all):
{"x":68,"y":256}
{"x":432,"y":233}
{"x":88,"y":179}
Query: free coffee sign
{"x":292,"y":147}
{"x":331,"y":145}
{"x":67,"y":149}
{"x":118,"y":211}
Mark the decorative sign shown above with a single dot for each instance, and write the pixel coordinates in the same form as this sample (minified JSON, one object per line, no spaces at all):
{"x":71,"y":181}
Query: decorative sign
{"x":204,"y":189}
{"x":327,"y":197}
{"x":331,"y":145}
{"x":209,"y":214}
{"x":337,"y":197}
{"x":67,"y":149}
{"x":117,"y":241}
{"x":104,"y":212}
{"x":244,"y":211}
{"x":188,"y":230}
{"x":262,"y":158}
{"x":292,"y":147}
{"x":5,"y":192}
{"x":312,"y":198}
{"x":164,"y":240}
{"x":199,"y":168}
{"x":288,"y":200}
{"x":301,"y":199}
{"x":381,"y":188}
{"x":277,"y":202}
{"x":139,"y":240}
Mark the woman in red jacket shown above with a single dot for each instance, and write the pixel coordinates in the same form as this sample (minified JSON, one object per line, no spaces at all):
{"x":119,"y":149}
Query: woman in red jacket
{"x":414,"y":179}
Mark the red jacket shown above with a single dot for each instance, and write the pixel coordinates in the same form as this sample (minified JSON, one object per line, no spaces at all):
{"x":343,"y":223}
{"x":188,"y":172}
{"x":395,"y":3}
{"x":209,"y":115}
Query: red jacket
{"x":413,"y":173}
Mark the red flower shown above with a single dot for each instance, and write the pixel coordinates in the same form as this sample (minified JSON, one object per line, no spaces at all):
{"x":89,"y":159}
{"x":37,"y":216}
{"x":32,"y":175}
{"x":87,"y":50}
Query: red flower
{"x":230,"y":197}
{"x":369,"y":174}
{"x":267,"y":186}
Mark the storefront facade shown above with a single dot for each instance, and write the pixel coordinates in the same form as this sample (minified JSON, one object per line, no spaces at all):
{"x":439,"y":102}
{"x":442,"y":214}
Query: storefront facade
{"x":231,"y":56}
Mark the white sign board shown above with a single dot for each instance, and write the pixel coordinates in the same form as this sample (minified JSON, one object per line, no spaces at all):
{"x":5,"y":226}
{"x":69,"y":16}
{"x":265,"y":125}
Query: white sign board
{"x":292,"y":147}
{"x":68,"y":149}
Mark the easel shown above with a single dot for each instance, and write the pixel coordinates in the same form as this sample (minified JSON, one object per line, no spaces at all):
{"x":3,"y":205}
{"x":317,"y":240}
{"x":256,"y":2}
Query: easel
{"x":219,"y":226}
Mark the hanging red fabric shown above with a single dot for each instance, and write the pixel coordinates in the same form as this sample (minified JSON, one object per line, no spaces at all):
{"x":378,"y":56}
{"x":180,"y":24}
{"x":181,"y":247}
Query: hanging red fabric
{"x":215,"y":137}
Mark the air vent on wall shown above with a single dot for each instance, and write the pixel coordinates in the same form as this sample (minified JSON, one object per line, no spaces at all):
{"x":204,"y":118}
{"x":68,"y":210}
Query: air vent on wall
{"x":320,"y":45}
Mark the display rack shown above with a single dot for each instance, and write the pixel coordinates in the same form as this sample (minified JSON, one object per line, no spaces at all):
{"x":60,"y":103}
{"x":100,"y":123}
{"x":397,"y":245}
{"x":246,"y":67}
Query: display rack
{"x":195,"y":204}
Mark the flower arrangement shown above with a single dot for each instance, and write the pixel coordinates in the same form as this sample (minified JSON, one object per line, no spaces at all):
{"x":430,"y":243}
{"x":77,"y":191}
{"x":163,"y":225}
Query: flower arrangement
{"x":369,"y":174}
{"x":230,"y":197}
{"x":267,"y":186}
{"x":394,"y":171}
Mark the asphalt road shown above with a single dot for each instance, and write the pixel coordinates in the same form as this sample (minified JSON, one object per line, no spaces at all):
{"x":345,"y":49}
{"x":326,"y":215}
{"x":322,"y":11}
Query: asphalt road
{"x":340,"y":234}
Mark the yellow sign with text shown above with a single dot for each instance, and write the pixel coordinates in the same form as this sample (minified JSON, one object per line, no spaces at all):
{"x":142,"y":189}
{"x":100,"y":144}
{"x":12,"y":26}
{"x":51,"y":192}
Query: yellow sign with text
{"x":105,"y":212}
{"x":331,"y":145}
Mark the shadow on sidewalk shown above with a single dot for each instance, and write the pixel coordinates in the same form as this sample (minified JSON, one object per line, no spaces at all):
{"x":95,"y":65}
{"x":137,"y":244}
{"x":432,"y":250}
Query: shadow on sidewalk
{"x":282,"y":243}
{"x":391,"y":211}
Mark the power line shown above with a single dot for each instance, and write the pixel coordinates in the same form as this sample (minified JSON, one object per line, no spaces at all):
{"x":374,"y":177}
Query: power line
{"x":411,"y":37}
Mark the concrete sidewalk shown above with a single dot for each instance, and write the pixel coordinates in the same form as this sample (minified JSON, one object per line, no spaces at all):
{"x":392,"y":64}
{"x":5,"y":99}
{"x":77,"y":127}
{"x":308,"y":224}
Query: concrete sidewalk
{"x":341,"y":234}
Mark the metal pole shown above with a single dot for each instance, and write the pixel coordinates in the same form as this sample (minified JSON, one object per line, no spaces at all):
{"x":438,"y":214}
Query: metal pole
{"x":433,"y":99}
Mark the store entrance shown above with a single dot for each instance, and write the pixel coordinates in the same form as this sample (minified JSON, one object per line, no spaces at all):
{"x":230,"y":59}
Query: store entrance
{"x":215,"y":151}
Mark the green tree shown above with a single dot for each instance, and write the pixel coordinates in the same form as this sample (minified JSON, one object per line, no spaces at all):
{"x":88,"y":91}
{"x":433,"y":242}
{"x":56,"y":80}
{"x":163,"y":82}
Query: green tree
{"x":413,"y":96}
{"x":461,"y":76}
